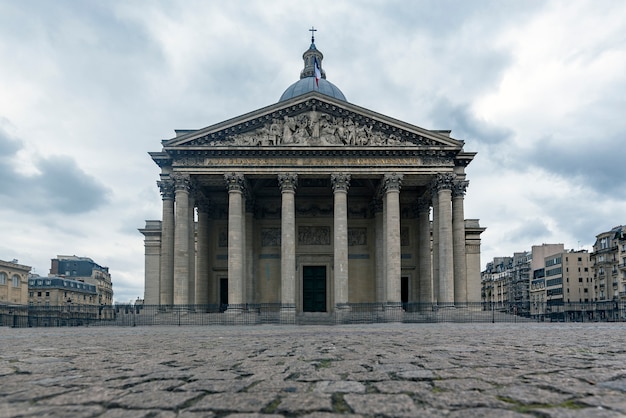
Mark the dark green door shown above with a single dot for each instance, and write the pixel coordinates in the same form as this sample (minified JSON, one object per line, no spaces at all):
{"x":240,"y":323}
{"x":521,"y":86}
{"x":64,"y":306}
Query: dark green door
{"x":314,"y":288}
{"x":223,"y":294}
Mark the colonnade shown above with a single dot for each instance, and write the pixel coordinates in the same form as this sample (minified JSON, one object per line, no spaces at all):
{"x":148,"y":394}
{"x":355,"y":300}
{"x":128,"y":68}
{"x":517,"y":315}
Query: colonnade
{"x":441,"y":273}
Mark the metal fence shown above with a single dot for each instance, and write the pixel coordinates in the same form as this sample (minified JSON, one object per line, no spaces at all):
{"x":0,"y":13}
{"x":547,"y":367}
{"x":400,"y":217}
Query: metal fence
{"x":275,"y":313}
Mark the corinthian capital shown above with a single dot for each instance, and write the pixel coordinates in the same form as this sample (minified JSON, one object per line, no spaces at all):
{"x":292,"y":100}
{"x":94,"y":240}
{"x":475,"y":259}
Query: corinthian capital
{"x":392,"y":181}
{"x":181,"y":181}
{"x":459,"y":187}
{"x":340,"y":181}
{"x":234,"y":181}
{"x":288,"y":182}
{"x":167,"y":189}
{"x":443,"y":181}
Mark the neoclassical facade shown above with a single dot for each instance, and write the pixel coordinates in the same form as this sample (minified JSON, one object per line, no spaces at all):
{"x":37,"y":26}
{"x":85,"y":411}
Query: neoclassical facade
{"x":312,"y":204}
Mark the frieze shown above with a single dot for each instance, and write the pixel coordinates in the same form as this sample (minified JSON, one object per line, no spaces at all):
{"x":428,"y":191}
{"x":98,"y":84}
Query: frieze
{"x":313,"y":235}
{"x":313,"y":128}
{"x":313,"y":161}
{"x":357,"y":236}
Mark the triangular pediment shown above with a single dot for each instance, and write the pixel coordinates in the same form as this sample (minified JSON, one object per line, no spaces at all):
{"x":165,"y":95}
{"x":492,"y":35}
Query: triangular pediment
{"x":312,"y":120}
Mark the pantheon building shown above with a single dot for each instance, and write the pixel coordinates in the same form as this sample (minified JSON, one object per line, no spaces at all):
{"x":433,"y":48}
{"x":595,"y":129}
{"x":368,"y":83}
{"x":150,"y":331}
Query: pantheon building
{"x":312,"y":204}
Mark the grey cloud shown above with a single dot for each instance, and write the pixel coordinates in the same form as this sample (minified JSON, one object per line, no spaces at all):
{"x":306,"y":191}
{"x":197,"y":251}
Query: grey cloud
{"x":596,"y":162}
{"x":60,"y":186}
{"x":464,"y":125}
{"x":532,"y":230}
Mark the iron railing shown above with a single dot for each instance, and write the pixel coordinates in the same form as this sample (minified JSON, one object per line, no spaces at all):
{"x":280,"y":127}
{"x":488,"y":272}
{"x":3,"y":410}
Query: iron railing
{"x":275,"y":313}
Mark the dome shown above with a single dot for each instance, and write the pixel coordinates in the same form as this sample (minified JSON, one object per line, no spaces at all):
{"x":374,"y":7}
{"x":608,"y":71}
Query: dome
{"x":312,"y":77}
{"x":307,"y":84}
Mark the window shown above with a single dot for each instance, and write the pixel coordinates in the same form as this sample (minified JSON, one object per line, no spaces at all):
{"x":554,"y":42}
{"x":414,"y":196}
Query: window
{"x":580,"y":280}
{"x":604,"y":243}
{"x":39,"y":294}
{"x":48,"y":294}
{"x":3,"y":278}
{"x":16,"y":280}
{"x":31,"y":294}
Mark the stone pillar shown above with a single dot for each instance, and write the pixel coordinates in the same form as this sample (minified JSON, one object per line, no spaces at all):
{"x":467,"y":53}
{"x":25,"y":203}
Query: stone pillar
{"x":152,"y":247}
{"x":458,"y":246}
{"x":203,"y":255}
{"x":446,"y":254}
{"x":249,"y":248}
{"x":340,"y":183}
{"x":191,"y":218}
{"x":288,"y":183}
{"x":435,"y":254}
{"x":424,"y":253}
{"x":391,"y":187}
{"x":377,"y":210}
{"x":181,"y":240}
{"x":166,"y":273}
{"x":235,"y":184}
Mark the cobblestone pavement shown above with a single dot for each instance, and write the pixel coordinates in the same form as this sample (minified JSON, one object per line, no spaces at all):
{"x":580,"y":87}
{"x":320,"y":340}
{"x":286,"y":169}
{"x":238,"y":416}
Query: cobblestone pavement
{"x":390,"y":370}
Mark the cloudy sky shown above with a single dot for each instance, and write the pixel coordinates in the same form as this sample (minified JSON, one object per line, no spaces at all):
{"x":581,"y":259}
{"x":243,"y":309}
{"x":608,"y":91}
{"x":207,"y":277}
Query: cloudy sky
{"x":88,"y":88}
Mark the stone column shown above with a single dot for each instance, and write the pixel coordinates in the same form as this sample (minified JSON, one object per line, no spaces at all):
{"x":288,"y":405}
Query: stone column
{"x":446,"y":254}
{"x":202,"y":274}
{"x":181,"y":240}
{"x":166,"y":274}
{"x":391,"y":186}
{"x":191,"y":218}
{"x":435,"y":254}
{"x":235,"y":185}
{"x":249,"y":233}
{"x":288,"y":183}
{"x":340,"y":183}
{"x":458,"y":246}
{"x":424,"y":253}
{"x":377,"y":210}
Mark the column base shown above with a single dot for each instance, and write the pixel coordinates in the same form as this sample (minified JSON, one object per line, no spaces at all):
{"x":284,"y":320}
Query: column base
{"x":342,"y":313}
{"x":393,"y":312}
{"x":287,"y":314}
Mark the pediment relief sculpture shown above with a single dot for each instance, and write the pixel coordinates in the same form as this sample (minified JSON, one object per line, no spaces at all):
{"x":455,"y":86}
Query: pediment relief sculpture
{"x":315,"y":128}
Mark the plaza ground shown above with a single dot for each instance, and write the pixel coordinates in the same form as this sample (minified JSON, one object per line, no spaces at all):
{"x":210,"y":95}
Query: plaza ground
{"x":376,"y":370}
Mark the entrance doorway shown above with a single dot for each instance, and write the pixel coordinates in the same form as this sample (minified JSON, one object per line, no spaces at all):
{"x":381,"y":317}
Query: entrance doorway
{"x":314,"y":288}
{"x":223,"y":294}
{"x":404,"y":292}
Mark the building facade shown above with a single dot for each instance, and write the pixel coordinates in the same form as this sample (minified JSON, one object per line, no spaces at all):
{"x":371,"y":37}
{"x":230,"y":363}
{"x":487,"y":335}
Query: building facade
{"x":57,"y":301}
{"x":609,"y":270}
{"x":313,"y":204}
{"x":13,"y":283}
{"x":84,"y":269}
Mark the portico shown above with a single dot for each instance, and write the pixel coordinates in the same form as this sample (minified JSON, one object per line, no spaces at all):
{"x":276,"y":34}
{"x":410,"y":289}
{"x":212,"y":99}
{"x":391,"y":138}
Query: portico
{"x":312,"y":204}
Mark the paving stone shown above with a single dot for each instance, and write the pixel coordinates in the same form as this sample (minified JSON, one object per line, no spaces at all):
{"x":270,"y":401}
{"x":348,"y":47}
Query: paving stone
{"x":306,"y":402}
{"x":240,"y":402}
{"x":487,"y":413}
{"x":379,"y":404}
{"x":339,"y":387}
{"x":155,"y":400}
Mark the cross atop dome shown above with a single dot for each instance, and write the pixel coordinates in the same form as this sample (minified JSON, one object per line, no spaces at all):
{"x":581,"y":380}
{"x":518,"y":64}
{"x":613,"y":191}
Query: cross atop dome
{"x":312,"y":30}
{"x":312,"y":57}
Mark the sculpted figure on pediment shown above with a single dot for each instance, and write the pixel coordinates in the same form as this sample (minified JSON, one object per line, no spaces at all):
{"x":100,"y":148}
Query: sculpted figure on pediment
{"x":315,"y":128}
